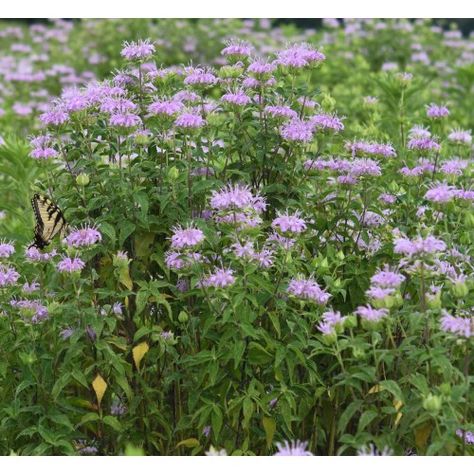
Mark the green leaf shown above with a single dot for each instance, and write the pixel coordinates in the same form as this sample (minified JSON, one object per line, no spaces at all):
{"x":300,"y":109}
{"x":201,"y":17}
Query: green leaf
{"x":392,"y":387}
{"x":126,"y":229}
{"x":109,"y":231}
{"x":366,"y":418}
{"x":269,"y":425}
{"x":347,"y":414}
{"x":88,"y":417}
{"x":216,"y":420}
{"x":113,"y":422}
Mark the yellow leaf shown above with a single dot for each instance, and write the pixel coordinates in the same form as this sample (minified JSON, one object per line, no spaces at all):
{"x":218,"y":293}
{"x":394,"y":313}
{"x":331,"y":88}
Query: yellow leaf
{"x":375,"y":389}
{"x":100,"y":386}
{"x":398,"y":405}
{"x":138,"y":353}
{"x":269,"y":425}
{"x":188,"y":443}
{"x":124,"y":278}
{"x":422,"y":433}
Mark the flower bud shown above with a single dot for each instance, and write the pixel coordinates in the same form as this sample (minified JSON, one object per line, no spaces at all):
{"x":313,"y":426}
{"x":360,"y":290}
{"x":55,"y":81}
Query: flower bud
{"x":350,"y":322}
{"x":433,"y":300}
{"x":358,"y":353}
{"x":230,"y":72}
{"x":445,"y":389}
{"x":432,"y":403}
{"x":328,"y":103}
{"x":459,"y":289}
{"x":183,"y":317}
{"x":173,"y":173}
{"x":82,"y":179}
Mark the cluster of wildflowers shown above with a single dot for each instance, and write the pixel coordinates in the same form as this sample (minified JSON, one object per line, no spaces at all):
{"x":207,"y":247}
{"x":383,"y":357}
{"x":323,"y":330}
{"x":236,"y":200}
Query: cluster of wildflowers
{"x":239,"y":209}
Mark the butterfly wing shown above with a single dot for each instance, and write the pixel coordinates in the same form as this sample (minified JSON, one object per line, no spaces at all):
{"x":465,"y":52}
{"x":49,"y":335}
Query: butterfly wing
{"x":49,"y":220}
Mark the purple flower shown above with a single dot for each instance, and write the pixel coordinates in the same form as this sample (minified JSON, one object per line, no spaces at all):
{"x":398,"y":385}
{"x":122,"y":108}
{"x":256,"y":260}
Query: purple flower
{"x":457,"y":325}
{"x":221,"y":278}
{"x":261,"y":68}
{"x":232,"y":197}
{"x":167,"y":335}
{"x":91,"y":334}
{"x":66,"y":333}
{"x":329,"y":322}
{"x":280,"y":111}
{"x":326,"y":122}
{"x":139,"y":50}
{"x":83,"y":237}
{"x":417,"y":131}
{"x":308,"y":290}
{"x":371,"y":148}
{"x":188,"y":237}
{"x":8,"y":276}
{"x":29,"y":288}
{"x":420,"y":245}
{"x":263,"y":258}
{"x":117,"y":105}
{"x":289,"y":223}
{"x":454,"y":167}
{"x":182,"y":285}
{"x":466,"y":436}
{"x":297,"y":130}
{"x":387,"y":279}
{"x":6,"y":249}
{"x":460,"y":137}
{"x":238,"y":98}
{"x":423,"y":144}
{"x":206,"y":431}
{"x":293,"y":448}
{"x":118,"y":408}
{"x":441,"y":193}
{"x":237,"y":49}
{"x":436,"y":111}
{"x":117,"y":309}
{"x":364,"y":166}
{"x":70,"y":265}
{"x":299,"y":56}
{"x":189,"y":121}
{"x":178,"y":261}
{"x":165,"y":107}
{"x":371,"y":314}
{"x":33,"y":309}
{"x":200,"y":77}
{"x":125,"y":120}
{"x":32,"y":254}
{"x":54,"y":117}
{"x":388,"y":198}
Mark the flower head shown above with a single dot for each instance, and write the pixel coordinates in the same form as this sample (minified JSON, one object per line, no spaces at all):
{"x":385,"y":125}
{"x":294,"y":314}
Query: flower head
{"x":188,"y":237}
{"x":70,"y":265}
{"x":83,"y":237}
{"x":308,"y":289}
{"x":293,"y":448}
{"x":291,"y":223}
{"x":138,"y":50}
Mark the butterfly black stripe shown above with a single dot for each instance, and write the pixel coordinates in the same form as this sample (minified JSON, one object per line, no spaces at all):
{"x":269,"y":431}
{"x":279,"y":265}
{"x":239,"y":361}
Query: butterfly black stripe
{"x":50,"y":221}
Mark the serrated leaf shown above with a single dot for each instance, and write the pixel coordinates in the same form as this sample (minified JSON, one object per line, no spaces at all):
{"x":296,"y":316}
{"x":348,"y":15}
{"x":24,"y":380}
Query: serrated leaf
{"x":100,"y":386}
{"x":139,"y":352}
{"x":269,"y":425}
